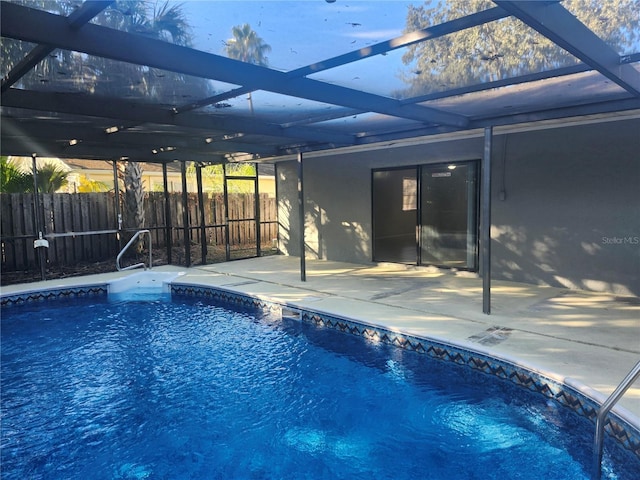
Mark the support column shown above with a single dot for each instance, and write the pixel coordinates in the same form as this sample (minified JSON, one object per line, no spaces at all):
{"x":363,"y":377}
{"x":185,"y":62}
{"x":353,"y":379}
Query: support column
{"x":257,"y":203}
{"x":38,"y":220}
{"x":303,"y":267}
{"x":168,"y":229}
{"x":485,"y":221}
{"x":203,"y":230}
{"x":227,"y":230}
{"x":277,"y":176}
{"x":116,"y":192}
{"x":185,"y":216}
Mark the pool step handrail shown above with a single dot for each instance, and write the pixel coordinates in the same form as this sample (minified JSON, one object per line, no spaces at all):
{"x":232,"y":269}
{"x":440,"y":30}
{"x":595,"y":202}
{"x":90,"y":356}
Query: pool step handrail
{"x":129,"y":243}
{"x":602,"y":413}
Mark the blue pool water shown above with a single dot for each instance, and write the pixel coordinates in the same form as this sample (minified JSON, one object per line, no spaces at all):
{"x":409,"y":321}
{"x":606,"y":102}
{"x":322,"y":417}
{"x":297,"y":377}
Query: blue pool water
{"x":157,"y":389}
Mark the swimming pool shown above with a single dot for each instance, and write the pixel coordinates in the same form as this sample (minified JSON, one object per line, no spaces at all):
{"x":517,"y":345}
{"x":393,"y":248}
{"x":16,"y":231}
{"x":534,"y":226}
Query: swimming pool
{"x":199,"y":387}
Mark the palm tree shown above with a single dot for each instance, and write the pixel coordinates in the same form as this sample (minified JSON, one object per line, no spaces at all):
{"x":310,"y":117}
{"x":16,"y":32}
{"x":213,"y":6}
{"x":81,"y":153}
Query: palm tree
{"x":168,"y":23}
{"x":248,"y":47}
{"x":133,"y":198}
{"x":158,"y":20}
{"x":12,"y":178}
{"x":52,"y":71}
{"x":50,"y":178}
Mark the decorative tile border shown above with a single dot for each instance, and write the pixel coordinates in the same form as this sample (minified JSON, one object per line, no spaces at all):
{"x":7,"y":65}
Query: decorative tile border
{"x":626,"y":434}
{"x":53,"y":294}
{"x":220,"y":295}
{"x":622,"y":431}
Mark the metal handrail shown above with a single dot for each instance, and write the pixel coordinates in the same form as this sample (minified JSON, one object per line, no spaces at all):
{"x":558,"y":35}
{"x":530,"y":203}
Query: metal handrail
{"x":631,"y":377}
{"x":129,"y":243}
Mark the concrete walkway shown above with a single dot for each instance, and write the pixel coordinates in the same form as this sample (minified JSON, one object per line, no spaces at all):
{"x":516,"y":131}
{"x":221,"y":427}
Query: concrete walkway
{"x":590,"y":337}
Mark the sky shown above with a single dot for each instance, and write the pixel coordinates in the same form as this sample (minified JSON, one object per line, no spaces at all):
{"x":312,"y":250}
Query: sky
{"x":302,"y":32}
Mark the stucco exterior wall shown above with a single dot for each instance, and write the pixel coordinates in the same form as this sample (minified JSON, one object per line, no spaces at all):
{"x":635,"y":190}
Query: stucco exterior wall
{"x":570,"y":215}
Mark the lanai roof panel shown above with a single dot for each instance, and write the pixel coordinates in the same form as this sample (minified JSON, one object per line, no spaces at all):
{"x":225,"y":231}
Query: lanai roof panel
{"x":337,"y":75}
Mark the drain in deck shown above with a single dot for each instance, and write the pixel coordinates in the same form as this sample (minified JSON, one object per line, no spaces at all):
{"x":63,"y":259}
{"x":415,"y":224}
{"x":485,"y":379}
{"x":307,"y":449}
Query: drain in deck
{"x":491,"y":336}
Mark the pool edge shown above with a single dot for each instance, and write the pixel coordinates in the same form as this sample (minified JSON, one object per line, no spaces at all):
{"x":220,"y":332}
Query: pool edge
{"x":621,"y":425}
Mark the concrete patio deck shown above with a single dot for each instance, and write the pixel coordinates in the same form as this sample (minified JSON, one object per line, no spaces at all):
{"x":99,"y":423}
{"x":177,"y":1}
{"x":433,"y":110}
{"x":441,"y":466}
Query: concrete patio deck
{"x":589,"y":337}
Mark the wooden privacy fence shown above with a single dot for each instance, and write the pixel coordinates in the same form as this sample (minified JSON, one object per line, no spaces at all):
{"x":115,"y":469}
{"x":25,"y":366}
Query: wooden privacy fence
{"x":93,"y":220}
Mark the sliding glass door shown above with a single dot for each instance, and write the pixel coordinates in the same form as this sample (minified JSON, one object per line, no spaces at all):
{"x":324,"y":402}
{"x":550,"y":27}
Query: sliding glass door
{"x":427,"y":215}
{"x":448,"y":215}
{"x":395,"y":214}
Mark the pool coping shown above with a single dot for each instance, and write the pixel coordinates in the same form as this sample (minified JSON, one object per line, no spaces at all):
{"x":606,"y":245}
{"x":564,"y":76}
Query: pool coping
{"x":621,"y":425}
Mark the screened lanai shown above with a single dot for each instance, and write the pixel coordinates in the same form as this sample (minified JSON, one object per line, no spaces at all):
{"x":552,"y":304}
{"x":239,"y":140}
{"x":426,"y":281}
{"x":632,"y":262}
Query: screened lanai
{"x":104,"y":80}
{"x":337,"y":75}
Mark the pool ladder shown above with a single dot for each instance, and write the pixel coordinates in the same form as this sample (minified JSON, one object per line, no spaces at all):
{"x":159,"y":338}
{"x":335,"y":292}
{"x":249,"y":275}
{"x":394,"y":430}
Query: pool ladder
{"x":631,"y":377}
{"x":129,"y":243}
